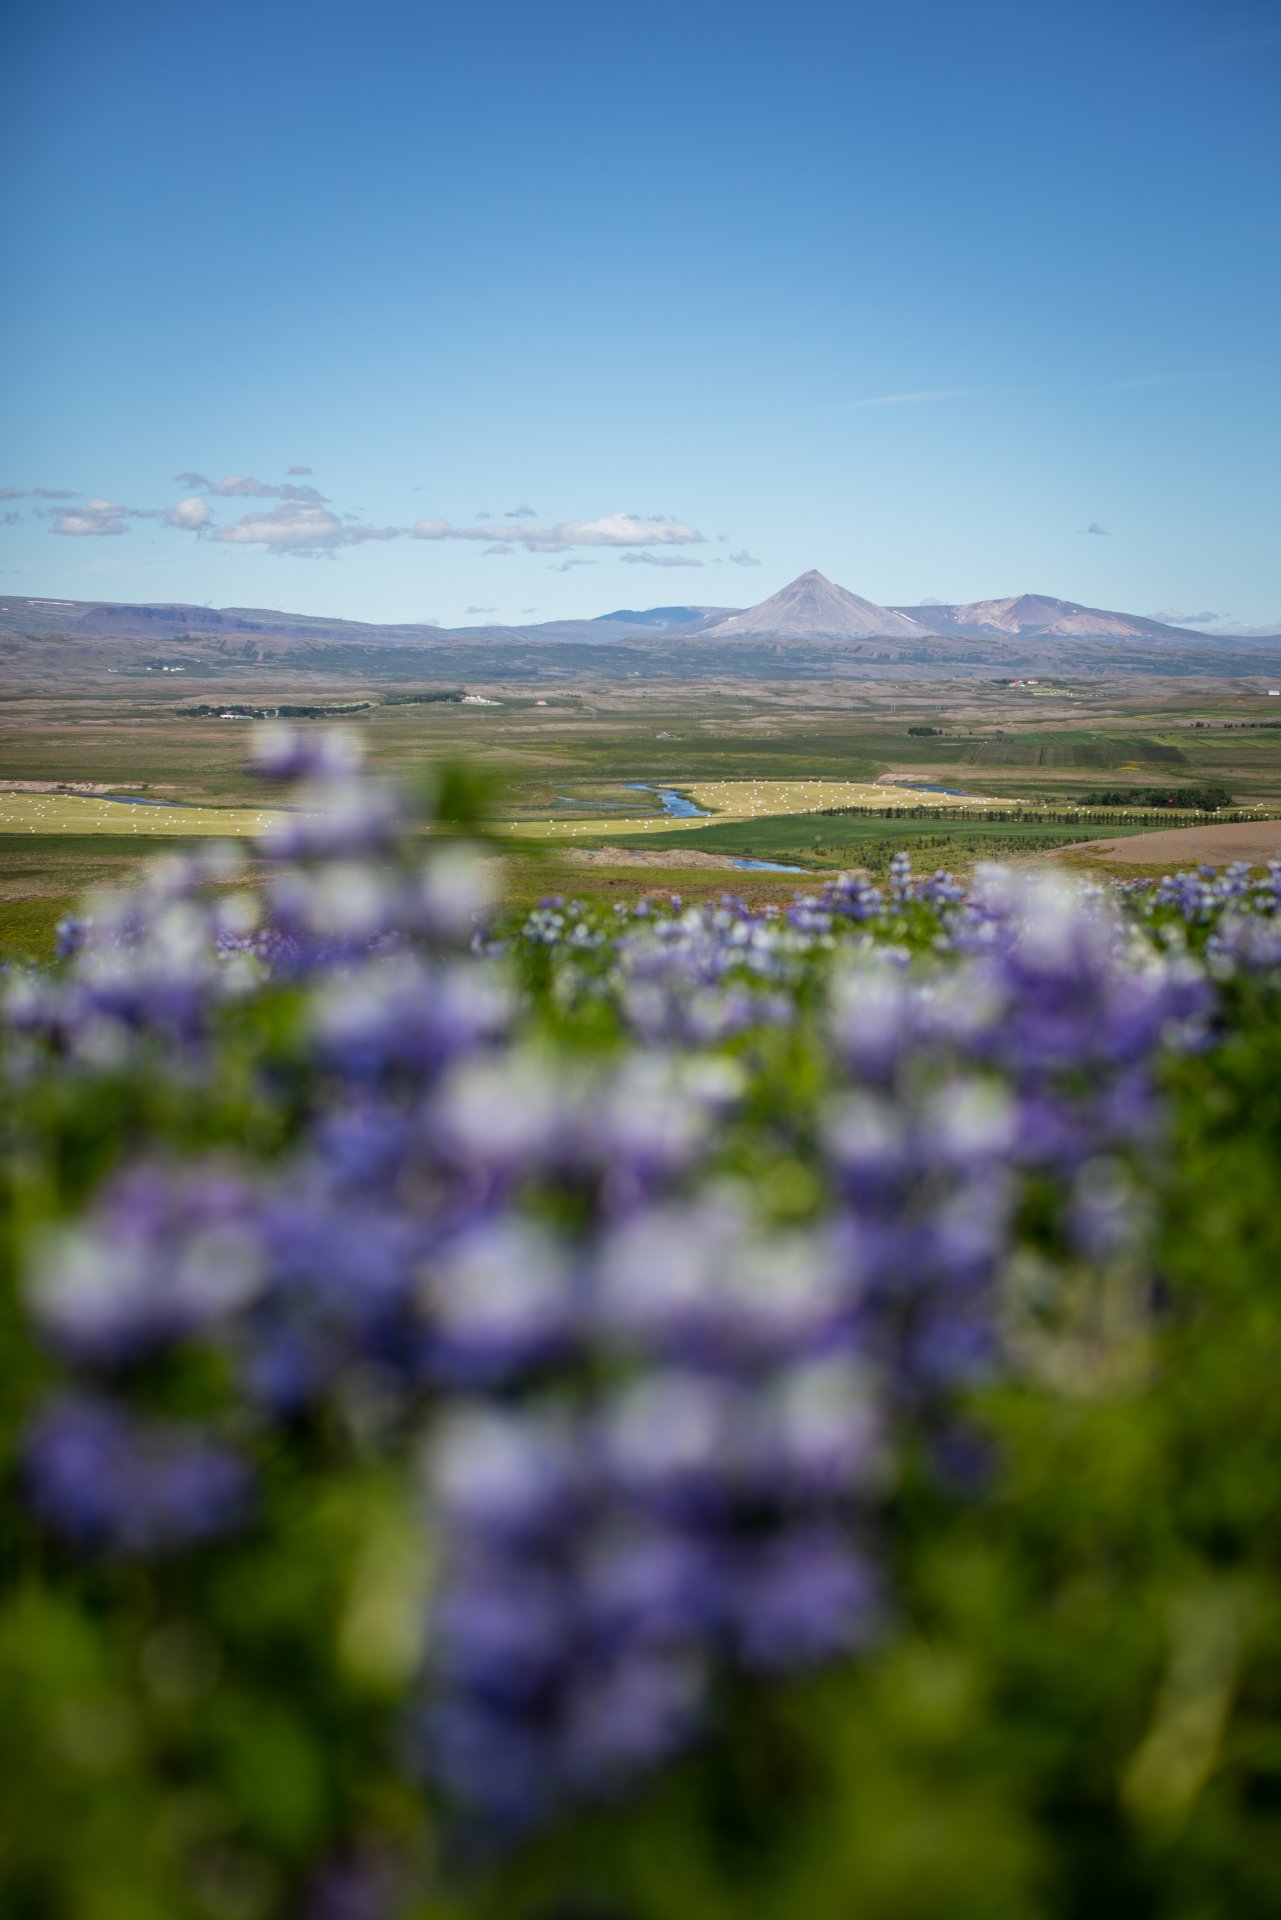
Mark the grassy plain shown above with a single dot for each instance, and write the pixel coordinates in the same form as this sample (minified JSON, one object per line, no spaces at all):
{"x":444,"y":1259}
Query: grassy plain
{"x":746,"y":800}
{"x":81,"y":814}
{"x":819,"y":843}
{"x":566,"y":753}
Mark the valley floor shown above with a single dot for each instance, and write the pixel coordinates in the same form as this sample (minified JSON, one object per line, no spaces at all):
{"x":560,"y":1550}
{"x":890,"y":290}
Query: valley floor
{"x":572,"y":773}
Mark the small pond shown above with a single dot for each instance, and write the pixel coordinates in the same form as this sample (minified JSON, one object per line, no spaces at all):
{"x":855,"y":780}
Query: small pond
{"x":957,"y":793}
{"x":142,"y":800}
{"x":768,"y":866}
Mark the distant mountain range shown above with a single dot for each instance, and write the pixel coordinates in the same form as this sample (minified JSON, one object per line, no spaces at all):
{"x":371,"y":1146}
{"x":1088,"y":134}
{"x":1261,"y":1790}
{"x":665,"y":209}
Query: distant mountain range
{"x":1036,"y":613}
{"x":811,"y":607}
{"x":810,"y":625}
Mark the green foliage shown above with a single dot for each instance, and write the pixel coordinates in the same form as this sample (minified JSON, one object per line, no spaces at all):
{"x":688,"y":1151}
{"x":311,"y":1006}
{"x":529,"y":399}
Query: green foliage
{"x":870,"y":837}
{"x":1076,"y":1714}
{"x":28,"y":926}
{"x":1205,"y":799}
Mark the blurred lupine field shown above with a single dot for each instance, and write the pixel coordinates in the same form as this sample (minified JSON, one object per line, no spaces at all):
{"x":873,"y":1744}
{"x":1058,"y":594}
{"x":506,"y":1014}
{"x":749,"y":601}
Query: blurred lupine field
{"x":639,"y":1414}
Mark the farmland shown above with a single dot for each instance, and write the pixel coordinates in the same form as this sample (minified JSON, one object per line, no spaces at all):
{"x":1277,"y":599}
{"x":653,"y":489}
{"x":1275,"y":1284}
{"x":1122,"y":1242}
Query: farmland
{"x":123,"y":818}
{"x":563,"y":764}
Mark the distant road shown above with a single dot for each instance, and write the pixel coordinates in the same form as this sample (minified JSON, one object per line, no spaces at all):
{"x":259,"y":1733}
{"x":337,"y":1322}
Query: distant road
{"x":1252,"y":840}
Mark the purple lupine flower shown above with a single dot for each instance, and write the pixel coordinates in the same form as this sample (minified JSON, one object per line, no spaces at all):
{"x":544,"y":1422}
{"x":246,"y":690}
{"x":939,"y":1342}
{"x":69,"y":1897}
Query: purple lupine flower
{"x":1109,"y":1219}
{"x":806,"y":1596}
{"x":498,"y":1301}
{"x":869,"y":1146}
{"x":659,"y":1423}
{"x":160,"y":1258}
{"x":362,"y":1884}
{"x":701,"y":1282}
{"x":398,"y":1016}
{"x":107,"y":1483}
{"x":504,"y":1116}
{"x":625,"y":1718}
{"x":498,"y":1767}
{"x":449,"y":895}
{"x":287,"y":753}
{"x":507,"y":1474}
{"x":872,"y":1015}
{"x":645,"y":1581}
{"x":1246,"y":943}
{"x":503,"y":1628}
{"x":852,"y":898}
{"x":335,"y":820}
{"x":73,"y":933}
{"x":669,"y":1441}
{"x":818,"y":1434}
{"x":901,"y":885}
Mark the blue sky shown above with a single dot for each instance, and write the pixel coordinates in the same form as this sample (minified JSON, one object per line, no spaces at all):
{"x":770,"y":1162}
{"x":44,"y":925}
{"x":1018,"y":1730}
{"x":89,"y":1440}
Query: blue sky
{"x":915,"y":293}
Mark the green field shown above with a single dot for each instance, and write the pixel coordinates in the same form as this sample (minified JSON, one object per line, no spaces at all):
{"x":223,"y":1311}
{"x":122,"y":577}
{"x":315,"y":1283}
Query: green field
{"x":741,"y":800}
{"x":566,"y":754}
{"x":1071,"y":748}
{"x":78,"y":814}
{"x":819,"y":842}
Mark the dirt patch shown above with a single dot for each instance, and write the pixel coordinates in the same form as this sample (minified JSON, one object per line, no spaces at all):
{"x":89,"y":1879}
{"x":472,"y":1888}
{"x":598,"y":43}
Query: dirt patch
{"x":637,"y":857}
{"x":1252,"y":840}
{"x":95,"y":788}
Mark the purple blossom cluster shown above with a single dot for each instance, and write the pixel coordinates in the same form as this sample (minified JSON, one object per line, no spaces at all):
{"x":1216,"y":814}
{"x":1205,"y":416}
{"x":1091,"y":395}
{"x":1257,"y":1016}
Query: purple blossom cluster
{"x":703,"y":975}
{"x":691,"y":1491}
{"x":648,"y":1434}
{"x":107,"y":1481}
{"x":345,"y":887}
{"x":656,"y":1401}
{"x":1026,"y":1068}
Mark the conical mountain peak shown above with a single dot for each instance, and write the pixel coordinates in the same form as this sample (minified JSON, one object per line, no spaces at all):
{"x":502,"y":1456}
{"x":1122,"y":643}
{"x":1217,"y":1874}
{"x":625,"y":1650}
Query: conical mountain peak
{"x":814,"y":607}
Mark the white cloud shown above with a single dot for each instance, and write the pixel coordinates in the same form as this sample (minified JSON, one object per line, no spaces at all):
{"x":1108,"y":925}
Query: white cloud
{"x":13,"y":493}
{"x":244,"y":486}
{"x":521,"y":513}
{"x":744,"y":559}
{"x":1217,"y":626}
{"x":498,"y":551}
{"x":567,"y":566}
{"x":480,"y":609}
{"x":613,"y":530}
{"x":300,"y":527}
{"x":95,"y":517}
{"x":1094,"y":527}
{"x":658,"y":560}
{"x":192,"y":513}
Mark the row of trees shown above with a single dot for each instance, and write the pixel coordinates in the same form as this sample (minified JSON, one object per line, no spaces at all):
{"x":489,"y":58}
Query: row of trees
{"x":1207,"y":799}
{"x":327,"y":712}
{"x":1135,"y":807}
